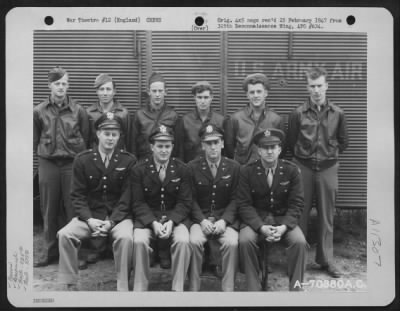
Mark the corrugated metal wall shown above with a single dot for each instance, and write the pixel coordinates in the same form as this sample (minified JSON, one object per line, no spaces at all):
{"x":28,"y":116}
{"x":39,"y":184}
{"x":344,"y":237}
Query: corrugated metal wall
{"x":224,"y":59}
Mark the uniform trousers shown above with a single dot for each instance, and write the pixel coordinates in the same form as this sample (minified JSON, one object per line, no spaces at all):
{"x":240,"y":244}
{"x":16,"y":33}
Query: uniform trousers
{"x":180,"y":257}
{"x":54,"y":186}
{"x":324,"y":185}
{"x":70,"y":237}
{"x":296,"y":251}
{"x":230,"y":257}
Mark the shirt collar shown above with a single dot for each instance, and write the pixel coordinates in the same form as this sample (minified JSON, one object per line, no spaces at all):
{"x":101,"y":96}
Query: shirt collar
{"x":216,"y":163}
{"x":103,"y":155}
{"x":158,"y":165}
{"x":65,"y":102}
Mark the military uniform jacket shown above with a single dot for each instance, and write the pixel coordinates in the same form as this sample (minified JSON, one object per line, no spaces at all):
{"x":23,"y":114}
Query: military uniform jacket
{"x":214,"y":196}
{"x":284,"y":201}
{"x":97,"y":191}
{"x":153,"y":198}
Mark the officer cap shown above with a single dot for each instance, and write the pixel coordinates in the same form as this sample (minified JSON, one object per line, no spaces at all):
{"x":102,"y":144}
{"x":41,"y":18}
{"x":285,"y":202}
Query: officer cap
{"x":269,"y":137}
{"x":255,"y":78}
{"x":102,"y":79}
{"x":156,"y":77}
{"x":108,"y":121}
{"x":56,"y":73}
{"x":161,"y":133}
{"x":202,"y":86}
{"x":210,"y":132}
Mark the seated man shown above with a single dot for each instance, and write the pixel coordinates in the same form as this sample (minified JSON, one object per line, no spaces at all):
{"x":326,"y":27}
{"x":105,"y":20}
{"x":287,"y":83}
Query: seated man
{"x":214,"y":181}
{"x":161,"y":205}
{"x":270,"y":201}
{"x":100,"y":195}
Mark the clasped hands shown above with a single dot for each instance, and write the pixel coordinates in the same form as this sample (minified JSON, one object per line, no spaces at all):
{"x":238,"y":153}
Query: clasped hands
{"x":163,"y":230}
{"x":99,"y":228}
{"x":273,"y":233}
{"x":210,"y":228}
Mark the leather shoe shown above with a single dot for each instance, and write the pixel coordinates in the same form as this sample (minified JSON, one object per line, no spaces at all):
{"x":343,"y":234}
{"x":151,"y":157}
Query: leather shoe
{"x":332,"y":271}
{"x":165,"y":263}
{"x":45,"y":262}
{"x":216,"y":270}
{"x":82,"y":265}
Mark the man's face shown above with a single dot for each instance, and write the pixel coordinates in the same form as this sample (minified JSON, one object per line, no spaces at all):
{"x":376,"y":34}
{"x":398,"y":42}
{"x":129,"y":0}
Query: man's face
{"x":317,"y":89}
{"x":213,"y":148}
{"x":106,"y":93}
{"x":59,"y":88}
{"x":203,"y":100}
{"x":256,"y":93}
{"x":269,"y":154}
{"x":157,"y":93}
{"x":108,"y":139}
{"x":161,"y":150}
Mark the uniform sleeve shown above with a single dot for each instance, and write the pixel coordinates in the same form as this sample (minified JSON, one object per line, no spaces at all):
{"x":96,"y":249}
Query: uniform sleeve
{"x":295,"y":200}
{"x":230,"y":213}
{"x":37,"y":130}
{"x":140,"y":209}
{"x":123,"y":208}
{"x":196,"y":213}
{"x":230,"y":137}
{"x":293,"y":130}
{"x":342,"y":133}
{"x":247,"y":211}
{"x":183,"y":204}
{"x":84,"y":125}
{"x":79,"y":190}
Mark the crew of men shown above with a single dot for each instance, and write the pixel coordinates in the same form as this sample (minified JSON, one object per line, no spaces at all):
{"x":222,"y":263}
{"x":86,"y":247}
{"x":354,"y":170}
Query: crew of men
{"x":190,"y":190}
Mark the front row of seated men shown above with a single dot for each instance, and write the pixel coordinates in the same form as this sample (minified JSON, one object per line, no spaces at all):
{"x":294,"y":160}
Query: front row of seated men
{"x":162,"y":201}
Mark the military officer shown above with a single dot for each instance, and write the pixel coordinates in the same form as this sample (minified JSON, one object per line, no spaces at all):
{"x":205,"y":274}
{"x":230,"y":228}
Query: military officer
{"x":270,"y":201}
{"x":161,"y":206}
{"x":101,"y":196}
{"x":214,"y":213}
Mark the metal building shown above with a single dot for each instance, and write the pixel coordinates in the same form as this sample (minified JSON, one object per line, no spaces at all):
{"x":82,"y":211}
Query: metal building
{"x":224,"y":59}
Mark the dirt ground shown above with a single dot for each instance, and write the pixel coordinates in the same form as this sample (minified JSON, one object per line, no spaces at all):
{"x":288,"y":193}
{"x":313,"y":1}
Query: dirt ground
{"x":349,"y":251}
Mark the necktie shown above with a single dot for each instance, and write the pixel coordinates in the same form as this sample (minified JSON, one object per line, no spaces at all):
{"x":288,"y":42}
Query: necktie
{"x":213,"y":168}
{"x":270,"y":177}
{"x":161,"y":173}
{"x":106,"y":161}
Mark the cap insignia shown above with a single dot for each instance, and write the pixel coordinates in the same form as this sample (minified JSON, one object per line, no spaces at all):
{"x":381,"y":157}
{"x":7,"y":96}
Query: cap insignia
{"x":110,"y":116}
{"x":163,"y":129}
{"x":267,"y":133}
{"x":209,"y":129}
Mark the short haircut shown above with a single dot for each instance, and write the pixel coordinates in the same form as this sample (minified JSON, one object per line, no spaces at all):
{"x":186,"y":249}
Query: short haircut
{"x":256,"y":78}
{"x":200,"y":87}
{"x":316,"y":72}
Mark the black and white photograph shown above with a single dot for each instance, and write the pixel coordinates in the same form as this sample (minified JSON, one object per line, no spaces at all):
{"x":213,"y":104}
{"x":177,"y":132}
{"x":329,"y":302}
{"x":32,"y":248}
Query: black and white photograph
{"x":228,"y":155}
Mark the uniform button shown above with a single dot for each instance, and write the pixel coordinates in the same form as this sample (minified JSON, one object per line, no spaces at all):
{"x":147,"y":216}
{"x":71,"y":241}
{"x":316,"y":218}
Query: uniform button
{"x":162,"y":195}
{"x":272,"y":193}
{"x":213,"y":193}
{"x":214,"y":186}
{"x":162,"y":189}
{"x":162,"y":202}
{"x":272,"y":200}
{"x":212,"y":201}
{"x":104,"y":177}
{"x":105,"y":186}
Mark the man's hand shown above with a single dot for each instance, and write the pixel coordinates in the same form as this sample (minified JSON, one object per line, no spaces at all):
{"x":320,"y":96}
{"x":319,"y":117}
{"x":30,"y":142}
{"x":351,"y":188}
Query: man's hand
{"x":95,"y":226}
{"x":219,"y":227}
{"x":157,"y":228}
{"x":167,"y":229}
{"x":279,"y":232}
{"x":268,"y":231}
{"x":207,"y":226}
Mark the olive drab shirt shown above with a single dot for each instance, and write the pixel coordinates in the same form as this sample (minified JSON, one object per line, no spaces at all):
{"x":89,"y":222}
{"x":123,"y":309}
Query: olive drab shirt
{"x":284,"y":200}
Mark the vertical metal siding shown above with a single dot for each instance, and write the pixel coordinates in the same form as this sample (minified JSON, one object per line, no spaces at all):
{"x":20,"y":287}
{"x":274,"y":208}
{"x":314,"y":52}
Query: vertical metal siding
{"x":284,"y":58}
{"x":185,"y":58}
{"x":85,"y":54}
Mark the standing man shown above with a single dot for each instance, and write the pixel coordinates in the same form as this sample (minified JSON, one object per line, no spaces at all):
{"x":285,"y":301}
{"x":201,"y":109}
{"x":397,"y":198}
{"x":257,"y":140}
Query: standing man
{"x":214,"y":213}
{"x":60,"y":131}
{"x":149,"y":118}
{"x":161,"y":206}
{"x":270,"y":202}
{"x":106,"y":90}
{"x":317,"y":134}
{"x":246,"y":122}
{"x":194,"y":120}
{"x":101,"y":197}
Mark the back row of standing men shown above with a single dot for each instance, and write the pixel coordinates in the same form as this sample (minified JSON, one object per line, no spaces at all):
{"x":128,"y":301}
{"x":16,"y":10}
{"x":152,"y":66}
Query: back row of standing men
{"x":269,"y":197}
